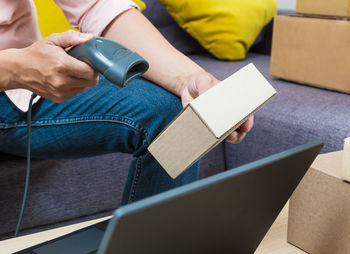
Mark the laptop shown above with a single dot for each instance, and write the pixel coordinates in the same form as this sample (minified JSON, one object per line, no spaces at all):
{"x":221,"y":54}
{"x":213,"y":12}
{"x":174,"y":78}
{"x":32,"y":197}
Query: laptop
{"x":226,"y":213}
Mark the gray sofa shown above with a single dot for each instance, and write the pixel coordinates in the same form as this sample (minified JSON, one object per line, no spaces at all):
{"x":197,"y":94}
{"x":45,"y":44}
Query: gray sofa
{"x":298,"y":114}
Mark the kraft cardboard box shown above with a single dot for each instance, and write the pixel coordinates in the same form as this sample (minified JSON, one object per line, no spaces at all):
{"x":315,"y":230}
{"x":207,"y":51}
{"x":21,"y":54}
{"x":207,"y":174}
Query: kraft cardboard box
{"x":324,"y":7}
{"x":346,"y":160}
{"x":319,"y":209}
{"x":312,"y":51}
{"x":209,"y":119}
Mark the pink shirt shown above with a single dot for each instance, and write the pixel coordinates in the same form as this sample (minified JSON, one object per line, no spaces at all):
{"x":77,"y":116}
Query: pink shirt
{"x":19,"y":26}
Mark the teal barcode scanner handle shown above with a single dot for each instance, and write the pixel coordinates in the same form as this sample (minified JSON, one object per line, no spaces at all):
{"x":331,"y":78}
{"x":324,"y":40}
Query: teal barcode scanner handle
{"x":114,"y":61}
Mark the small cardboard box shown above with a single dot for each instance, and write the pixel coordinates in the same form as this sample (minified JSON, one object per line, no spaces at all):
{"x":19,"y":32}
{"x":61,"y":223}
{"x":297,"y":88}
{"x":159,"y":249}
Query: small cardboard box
{"x":319,"y":209}
{"x":312,"y":51}
{"x":346,"y":161}
{"x":324,"y":7}
{"x":209,"y":119}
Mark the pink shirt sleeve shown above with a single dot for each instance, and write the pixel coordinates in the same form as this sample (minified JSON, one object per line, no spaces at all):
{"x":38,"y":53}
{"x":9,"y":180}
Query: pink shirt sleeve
{"x":92,"y":16}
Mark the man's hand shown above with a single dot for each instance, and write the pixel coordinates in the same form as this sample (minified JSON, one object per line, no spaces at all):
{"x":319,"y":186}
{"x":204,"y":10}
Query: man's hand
{"x":195,"y":85}
{"x":47,"y":70}
{"x":167,"y":65}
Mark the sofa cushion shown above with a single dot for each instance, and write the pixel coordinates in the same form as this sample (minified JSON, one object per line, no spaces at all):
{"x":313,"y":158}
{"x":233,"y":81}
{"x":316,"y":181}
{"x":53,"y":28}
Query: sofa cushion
{"x":60,"y":190}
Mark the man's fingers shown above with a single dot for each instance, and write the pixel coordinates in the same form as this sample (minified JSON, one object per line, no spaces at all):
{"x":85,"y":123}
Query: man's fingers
{"x":80,"y":69}
{"x":74,"y":67}
{"x":236,"y":137}
{"x":241,"y":136}
{"x":82,"y":83}
{"x":247,"y":125}
{"x":233,"y":137}
{"x":62,"y":96}
{"x":69,"y":38}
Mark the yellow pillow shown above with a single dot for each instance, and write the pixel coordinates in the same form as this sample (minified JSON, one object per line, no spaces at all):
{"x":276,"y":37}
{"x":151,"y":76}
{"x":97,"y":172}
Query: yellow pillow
{"x":52,"y":20}
{"x":226,"y":28}
{"x":141,"y":4}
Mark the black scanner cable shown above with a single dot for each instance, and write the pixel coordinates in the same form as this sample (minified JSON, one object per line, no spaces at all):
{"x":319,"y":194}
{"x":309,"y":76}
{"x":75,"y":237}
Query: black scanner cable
{"x":115,"y":62}
{"x":29,"y":125}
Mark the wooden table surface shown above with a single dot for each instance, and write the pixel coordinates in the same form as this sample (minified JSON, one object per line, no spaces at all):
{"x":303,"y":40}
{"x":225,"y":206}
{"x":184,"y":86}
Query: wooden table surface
{"x":273,"y":243}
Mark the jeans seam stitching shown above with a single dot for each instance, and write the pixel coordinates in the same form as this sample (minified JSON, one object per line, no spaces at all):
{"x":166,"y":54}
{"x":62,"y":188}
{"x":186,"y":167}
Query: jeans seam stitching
{"x":41,"y":123}
{"x":135,"y":179}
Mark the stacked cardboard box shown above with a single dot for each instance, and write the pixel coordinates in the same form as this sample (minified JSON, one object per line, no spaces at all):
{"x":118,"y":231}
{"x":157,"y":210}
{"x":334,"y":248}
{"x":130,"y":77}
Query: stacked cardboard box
{"x":346,"y":161}
{"x":313,"y":47}
{"x":319,"y":209}
{"x":339,"y":8}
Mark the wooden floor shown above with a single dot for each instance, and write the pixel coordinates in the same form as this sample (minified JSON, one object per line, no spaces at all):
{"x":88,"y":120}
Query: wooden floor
{"x":273,"y":243}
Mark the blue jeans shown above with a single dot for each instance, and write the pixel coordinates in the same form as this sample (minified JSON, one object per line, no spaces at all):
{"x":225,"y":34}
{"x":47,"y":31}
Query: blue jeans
{"x":105,"y":119}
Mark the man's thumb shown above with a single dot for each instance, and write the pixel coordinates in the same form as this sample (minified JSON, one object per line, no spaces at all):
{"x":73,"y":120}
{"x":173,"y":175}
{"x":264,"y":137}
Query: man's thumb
{"x":69,"y":38}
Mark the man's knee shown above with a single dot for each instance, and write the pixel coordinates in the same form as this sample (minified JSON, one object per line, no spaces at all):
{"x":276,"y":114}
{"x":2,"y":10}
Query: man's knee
{"x":160,"y":108}
{"x":164,"y":110}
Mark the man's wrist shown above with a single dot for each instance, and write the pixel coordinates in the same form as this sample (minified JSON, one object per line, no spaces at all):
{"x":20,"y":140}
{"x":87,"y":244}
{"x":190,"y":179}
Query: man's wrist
{"x":180,"y":84}
{"x":9,"y":68}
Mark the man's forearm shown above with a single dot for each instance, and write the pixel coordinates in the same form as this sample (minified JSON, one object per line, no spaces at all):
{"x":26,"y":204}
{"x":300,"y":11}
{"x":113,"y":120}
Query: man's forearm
{"x":167,"y":65}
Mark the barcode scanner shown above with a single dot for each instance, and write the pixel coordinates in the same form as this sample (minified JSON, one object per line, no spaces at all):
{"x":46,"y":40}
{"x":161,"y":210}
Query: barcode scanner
{"x":114,"y":61}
